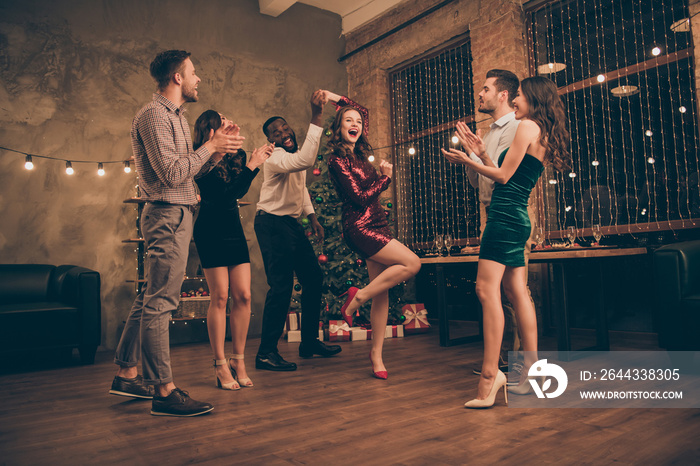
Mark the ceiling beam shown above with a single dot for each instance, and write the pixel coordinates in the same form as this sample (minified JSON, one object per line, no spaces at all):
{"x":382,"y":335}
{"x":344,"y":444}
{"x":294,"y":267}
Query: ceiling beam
{"x":274,"y":8}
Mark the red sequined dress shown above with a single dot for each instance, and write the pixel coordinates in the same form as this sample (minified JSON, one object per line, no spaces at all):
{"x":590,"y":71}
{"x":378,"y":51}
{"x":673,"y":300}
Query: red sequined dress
{"x":365,"y":228}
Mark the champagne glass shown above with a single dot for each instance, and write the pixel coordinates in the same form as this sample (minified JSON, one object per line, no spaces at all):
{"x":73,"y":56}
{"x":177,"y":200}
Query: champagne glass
{"x":597,"y":234}
{"x":438,"y":243}
{"x":538,"y":237}
{"x":448,"y":242}
{"x":571,"y":235}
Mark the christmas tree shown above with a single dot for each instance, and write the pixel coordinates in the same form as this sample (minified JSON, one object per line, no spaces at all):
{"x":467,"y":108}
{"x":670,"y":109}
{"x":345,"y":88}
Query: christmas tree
{"x":342,"y":267}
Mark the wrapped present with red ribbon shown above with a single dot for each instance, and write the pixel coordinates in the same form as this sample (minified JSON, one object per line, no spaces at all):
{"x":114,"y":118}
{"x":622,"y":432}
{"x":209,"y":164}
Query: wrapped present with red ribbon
{"x":293,"y":321}
{"x":338,"y":330}
{"x":416,"y":319}
{"x":360,"y":333}
{"x":394,"y":331}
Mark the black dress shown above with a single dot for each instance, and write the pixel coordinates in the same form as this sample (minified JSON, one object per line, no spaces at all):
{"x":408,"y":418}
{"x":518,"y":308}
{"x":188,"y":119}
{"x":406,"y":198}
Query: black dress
{"x":218,"y":233}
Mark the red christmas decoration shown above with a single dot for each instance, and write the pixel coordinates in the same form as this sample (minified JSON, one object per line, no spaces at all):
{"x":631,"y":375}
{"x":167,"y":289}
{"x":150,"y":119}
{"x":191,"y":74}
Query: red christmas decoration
{"x":317,"y":171}
{"x":322,"y":258}
{"x":359,"y":262}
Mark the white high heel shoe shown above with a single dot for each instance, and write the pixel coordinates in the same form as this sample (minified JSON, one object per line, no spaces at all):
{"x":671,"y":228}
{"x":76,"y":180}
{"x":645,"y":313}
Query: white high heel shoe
{"x":243,"y":382}
{"x":499,"y":382}
{"x":224,"y":386}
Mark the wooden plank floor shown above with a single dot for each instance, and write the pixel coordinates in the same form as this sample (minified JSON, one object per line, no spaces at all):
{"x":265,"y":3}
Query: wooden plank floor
{"x":330,"y":411}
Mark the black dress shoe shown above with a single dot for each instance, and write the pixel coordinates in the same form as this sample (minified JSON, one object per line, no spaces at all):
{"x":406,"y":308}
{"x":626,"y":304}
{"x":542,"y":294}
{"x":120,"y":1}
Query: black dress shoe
{"x":134,"y":388}
{"x":318,"y":347}
{"x":273,"y":362}
{"x":178,"y":403}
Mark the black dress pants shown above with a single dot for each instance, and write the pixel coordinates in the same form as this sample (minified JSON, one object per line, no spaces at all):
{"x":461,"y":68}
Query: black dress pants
{"x":286,"y":250}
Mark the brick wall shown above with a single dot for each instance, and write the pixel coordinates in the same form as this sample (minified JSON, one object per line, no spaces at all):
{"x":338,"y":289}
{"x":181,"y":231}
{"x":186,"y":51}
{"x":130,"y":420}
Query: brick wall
{"x":497,"y":41}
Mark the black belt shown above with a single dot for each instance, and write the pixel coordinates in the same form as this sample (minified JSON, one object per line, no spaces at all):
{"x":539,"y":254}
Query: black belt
{"x":191,"y":208}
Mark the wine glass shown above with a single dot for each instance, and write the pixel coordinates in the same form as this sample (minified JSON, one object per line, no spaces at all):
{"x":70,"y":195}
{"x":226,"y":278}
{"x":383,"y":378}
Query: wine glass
{"x":571,"y":235}
{"x":448,"y":242}
{"x":597,"y":234}
{"x":538,"y":237}
{"x":437,"y":243}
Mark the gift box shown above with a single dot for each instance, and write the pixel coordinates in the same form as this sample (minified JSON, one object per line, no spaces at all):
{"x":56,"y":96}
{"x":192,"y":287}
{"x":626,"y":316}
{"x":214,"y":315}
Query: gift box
{"x":295,"y":335}
{"x":416,"y":319}
{"x":360,"y":333}
{"x":394,"y":331}
{"x":338,"y":330}
{"x":293,"y":321}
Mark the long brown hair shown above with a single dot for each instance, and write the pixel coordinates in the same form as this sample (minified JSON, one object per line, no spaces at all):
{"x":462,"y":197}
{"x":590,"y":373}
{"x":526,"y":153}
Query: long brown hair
{"x":547,"y":110}
{"x":336,"y":143}
{"x":231,"y":164}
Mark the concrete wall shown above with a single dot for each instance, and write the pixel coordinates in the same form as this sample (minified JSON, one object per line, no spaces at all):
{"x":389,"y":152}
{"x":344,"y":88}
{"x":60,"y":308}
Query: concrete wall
{"x":72,"y":76}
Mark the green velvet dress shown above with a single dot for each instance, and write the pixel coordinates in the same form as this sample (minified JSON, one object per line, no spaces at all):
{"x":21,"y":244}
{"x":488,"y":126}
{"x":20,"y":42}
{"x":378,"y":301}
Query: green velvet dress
{"x":508,"y":225}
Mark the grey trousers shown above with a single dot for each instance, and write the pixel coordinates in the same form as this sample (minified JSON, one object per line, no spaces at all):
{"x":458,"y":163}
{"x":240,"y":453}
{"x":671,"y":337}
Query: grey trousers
{"x":167,"y":231}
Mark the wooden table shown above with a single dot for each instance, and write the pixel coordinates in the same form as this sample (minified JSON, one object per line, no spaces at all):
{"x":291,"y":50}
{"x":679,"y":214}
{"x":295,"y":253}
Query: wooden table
{"x":558,"y":257}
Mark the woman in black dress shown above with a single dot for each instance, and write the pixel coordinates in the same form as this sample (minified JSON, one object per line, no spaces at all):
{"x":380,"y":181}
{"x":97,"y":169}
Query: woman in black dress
{"x":222,"y":247}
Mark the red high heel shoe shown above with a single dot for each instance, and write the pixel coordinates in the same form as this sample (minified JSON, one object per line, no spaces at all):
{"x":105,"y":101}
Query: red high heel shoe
{"x":380,"y":374}
{"x":352,"y":291}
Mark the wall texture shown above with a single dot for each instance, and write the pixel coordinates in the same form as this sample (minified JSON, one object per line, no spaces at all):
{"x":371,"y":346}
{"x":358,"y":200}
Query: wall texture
{"x":72,"y":76}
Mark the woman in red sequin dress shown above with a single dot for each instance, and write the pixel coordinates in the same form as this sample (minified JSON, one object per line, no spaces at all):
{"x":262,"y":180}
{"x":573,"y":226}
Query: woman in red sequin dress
{"x":365,"y":228}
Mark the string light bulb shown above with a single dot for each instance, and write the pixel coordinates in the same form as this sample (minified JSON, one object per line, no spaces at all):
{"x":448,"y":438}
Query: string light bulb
{"x":601,"y":78}
{"x":656,"y":51}
{"x":455,"y":140}
{"x":411,"y":150}
{"x":595,"y":163}
{"x":69,"y":168}
{"x":682,"y":109}
{"x":371,"y":158}
{"x":100,"y":169}
{"x":649,"y":133}
{"x":28,"y":164}
{"x":651,"y":160}
{"x":127,"y":168}
{"x":572,"y":175}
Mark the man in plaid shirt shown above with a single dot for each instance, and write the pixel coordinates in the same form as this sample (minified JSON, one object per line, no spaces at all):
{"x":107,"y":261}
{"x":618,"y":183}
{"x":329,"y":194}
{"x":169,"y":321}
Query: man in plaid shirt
{"x":166,"y":164}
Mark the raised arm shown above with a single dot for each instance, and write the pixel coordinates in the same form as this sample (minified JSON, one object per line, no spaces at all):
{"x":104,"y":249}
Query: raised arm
{"x":527,"y":133}
{"x":345,"y":179}
{"x":282,"y":161}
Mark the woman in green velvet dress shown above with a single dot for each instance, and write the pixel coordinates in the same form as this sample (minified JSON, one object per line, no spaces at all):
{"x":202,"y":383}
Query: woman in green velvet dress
{"x":541,"y":139}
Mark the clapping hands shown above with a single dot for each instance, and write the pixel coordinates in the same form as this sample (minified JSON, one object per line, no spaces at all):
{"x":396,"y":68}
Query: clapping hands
{"x":260,"y":155}
{"x":386,"y":168}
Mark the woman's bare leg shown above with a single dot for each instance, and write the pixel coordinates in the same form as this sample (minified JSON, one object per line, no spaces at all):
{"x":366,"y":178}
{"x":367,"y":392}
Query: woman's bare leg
{"x":488,"y":289}
{"x":400,"y":264}
{"x":515,"y":287}
{"x":240,"y":313}
{"x":218,"y":281}
{"x":379,"y":314}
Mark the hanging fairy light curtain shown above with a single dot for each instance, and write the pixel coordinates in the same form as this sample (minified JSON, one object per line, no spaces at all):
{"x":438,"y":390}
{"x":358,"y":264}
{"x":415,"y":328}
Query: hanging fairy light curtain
{"x":625,"y":73}
{"x":434,"y":197}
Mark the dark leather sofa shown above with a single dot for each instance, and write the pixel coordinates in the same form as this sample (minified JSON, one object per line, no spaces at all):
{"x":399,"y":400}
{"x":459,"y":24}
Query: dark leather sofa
{"x":46,"y":308}
{"x":677,"y":295}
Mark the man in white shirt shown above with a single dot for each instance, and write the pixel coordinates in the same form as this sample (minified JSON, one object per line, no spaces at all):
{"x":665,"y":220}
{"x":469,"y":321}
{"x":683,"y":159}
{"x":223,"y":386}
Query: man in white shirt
{"x":496,"y":100}
{"x":285,"y":248}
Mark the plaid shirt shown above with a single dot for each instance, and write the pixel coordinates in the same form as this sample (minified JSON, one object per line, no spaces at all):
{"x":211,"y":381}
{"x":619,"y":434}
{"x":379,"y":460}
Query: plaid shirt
{"x":162,"y":146}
